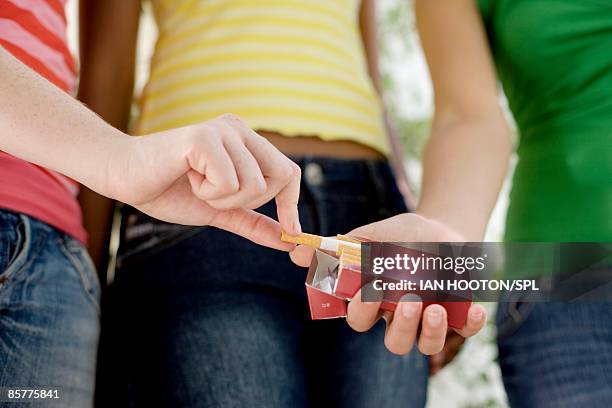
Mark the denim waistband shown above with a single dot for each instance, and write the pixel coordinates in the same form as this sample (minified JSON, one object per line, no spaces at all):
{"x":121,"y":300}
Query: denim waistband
{"x":343,"y":169}
{"x":10,"y":221}
{"x":23,"y":238}
{"x":368,"y":182}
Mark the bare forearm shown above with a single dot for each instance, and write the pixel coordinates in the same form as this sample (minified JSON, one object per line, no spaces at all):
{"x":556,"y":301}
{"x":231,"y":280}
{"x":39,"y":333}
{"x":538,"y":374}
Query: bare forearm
{"x":369,"y":36}
{"x":108,"y":34}
{"x":43,"y":125}
{"x":467,"y":156}
{"x":107,"y":57}
{"x":464,"y":167}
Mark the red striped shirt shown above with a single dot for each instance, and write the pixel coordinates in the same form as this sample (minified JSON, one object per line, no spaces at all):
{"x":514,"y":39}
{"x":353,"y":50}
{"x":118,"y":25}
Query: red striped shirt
{"x":34,"y":31}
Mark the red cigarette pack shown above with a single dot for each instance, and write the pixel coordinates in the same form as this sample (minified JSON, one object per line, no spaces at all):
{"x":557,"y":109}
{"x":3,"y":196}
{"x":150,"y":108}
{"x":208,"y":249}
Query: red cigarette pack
{"x":331,"y":283}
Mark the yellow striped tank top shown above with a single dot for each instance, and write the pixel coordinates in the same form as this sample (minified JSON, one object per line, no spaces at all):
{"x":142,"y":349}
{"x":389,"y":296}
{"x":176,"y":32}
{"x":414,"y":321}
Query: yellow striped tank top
{"x":295,"y":67}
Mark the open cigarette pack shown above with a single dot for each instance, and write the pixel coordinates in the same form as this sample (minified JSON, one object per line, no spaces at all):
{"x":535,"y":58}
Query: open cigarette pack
{"x":335,"y":277}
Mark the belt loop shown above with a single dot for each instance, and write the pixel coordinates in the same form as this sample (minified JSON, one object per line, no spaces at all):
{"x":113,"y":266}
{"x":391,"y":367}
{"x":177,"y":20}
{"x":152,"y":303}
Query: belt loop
{"x":27,"y":232}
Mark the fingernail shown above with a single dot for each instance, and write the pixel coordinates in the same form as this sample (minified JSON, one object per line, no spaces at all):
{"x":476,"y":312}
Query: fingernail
{"x":477,"y":316}
{"x":409,"y":309}
{"x":410,"y":297}
{"x":434,"y":317}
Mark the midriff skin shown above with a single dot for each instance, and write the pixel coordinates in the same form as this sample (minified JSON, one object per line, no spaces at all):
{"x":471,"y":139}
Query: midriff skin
{"x":313,"y":146}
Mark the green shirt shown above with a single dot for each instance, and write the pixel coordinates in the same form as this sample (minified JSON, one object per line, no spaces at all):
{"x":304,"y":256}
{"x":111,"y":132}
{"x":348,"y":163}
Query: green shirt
{"x":554,"y":60}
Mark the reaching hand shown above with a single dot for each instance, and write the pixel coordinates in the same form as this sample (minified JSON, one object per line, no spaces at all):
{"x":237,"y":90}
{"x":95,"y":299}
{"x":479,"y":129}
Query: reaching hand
{"x":213,"y":173}
{"x":403,"y":324}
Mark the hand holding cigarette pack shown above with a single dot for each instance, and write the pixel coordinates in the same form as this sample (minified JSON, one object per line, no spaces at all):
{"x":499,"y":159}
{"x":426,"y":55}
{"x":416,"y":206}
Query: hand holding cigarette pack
{"x":334,"y":277}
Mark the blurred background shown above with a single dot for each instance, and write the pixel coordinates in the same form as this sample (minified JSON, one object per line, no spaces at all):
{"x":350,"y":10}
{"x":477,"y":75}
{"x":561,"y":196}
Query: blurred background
{"x":473,"y":379}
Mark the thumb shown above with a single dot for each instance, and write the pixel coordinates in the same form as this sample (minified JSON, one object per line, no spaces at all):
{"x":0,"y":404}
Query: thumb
{"x":253,"y":226}
{"x":390,"y":229}
{"x":407,"y":228}
{"x":302,"y":255}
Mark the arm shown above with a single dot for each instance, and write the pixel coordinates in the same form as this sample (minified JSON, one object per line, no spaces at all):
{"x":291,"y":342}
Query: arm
{"x":43,"y":125}
{"x":369,"y":35}
{"x":465,"y":163}
{"x":212,"y":173}
{"x":467,"y":156}
{"x":108,"y":38}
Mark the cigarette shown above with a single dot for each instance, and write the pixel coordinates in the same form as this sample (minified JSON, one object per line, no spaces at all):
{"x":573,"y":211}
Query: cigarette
{"x":315,"y":241}
{"x":348,"y":255}
{"x":349,"y":260}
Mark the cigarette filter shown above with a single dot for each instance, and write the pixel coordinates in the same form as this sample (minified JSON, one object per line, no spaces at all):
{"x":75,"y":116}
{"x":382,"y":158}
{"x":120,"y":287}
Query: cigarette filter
{"x":318,"y":242}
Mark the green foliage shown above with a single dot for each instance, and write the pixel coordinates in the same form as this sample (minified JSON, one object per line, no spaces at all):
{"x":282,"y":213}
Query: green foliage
{"x":397,"y":27}
{"x":413,"y":134}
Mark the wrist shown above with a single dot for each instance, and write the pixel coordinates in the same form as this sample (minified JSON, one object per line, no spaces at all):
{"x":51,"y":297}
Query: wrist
{"x":468,"y":229}
{"x":119,"y":150}
{"x":139,"y":168}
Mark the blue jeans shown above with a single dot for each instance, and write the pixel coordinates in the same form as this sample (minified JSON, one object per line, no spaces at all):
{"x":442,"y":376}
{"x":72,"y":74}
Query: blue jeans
{"x":556,"y":354}
{"x":198,"y":317}
{"x":49,"y":312}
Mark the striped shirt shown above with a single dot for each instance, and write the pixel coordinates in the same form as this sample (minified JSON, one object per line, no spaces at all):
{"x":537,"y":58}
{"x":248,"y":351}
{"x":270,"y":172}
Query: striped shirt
{"x":34,"y":31}
{"x":295,"y":67}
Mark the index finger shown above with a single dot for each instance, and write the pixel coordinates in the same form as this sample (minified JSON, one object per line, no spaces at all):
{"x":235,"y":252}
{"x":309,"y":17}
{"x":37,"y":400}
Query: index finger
{"x":253,"y":226}
{"x":286,"y":205}
{"x":279,"y":168}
